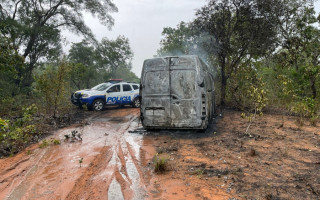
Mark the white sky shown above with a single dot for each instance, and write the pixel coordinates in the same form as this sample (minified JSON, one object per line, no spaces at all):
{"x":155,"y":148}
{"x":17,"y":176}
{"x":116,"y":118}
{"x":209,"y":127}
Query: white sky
{"x":142,"y":21}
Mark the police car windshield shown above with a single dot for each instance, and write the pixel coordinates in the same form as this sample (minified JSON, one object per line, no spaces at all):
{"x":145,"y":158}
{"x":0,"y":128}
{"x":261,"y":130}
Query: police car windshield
{"x":101,"y":87}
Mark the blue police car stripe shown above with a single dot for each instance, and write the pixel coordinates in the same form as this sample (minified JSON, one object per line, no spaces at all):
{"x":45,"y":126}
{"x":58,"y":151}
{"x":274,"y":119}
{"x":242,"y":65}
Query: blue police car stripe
{"x":90,"y":100}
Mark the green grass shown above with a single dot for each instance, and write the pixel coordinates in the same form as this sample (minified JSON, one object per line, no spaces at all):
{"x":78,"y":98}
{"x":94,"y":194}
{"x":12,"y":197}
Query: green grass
{"x":160,"y":164}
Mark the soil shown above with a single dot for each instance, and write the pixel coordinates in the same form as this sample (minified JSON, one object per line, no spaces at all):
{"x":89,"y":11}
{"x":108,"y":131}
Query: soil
{"x":110,"y":156}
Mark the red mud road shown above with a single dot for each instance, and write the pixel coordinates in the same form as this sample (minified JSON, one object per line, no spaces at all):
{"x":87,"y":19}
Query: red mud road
{"x":276,"y":160}
{"x":111,"y":167}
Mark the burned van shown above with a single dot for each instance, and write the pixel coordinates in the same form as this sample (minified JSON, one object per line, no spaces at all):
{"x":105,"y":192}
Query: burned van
{"x":176,"y":93}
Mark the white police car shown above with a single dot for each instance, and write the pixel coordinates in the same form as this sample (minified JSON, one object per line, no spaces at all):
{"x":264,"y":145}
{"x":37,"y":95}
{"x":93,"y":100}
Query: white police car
{"x":109,"y":93}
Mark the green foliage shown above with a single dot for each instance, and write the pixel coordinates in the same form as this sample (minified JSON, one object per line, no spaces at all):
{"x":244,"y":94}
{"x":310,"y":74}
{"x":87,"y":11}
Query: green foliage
{"x":44,"y":144}
{"x":232,"y":27}
{"x":4,"y":124}
{"x":34,"y":26}
{"x":11,"y":63}
{"x":241,"y":38}
{"x":293,"y":72}
{"x":80,"y":161}
{"x":52,"y":86}
{"x":80,"y":75}
{"x":53,"y":141}
{"x":185,"y":39}
{"x":160,"y":164}
{"x":113,"y":54}
{"x":110,"y":59}
{"x":125,"y":74}
{"x":176,"y":41}
{"x":56,"y":141}
{"x":200,"y":172}
{"x":306,"y":108}
{"x":247,"y":92}
{"x":246,"y":89}
{"x":14,"y":135}
{"x":83,"y":73}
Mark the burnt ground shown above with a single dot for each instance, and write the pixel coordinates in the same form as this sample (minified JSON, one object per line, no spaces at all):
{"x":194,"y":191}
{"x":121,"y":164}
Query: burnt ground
{"x":277,"y":159}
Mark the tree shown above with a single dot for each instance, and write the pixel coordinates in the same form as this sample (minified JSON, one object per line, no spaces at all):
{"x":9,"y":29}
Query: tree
{"x":112,"y":54}
{"x":10,"y":63}
{"x":185,"y":39}
{"x":34,"y":25}
{"x":83,"y":69}
{"x":301,"y":45}
{"x":176,"y":41}
{"x":79,"y":75}
{"x":239,"y":31}
{"x":110,"y":59}
{"x":125,"y":74}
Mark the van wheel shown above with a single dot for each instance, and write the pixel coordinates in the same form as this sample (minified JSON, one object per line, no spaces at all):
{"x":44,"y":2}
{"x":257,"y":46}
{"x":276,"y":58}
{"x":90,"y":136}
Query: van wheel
{"x":98,"y":105}
{"x":136,"y":103}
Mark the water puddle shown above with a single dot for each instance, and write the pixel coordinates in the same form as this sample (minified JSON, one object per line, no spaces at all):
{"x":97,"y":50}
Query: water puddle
{"x":115,"y":191}
{"x":97,"y":160}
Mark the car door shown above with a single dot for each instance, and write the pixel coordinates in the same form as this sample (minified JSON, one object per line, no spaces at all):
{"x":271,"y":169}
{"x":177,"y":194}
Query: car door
{"x":113,"y":95}
{"x":127,"y":94}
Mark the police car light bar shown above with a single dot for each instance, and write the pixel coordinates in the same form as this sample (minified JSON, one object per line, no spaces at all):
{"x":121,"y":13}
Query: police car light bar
{"x":115,"y":80}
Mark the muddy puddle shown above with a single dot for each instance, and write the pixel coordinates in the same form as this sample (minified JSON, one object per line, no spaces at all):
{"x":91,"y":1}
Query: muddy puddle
{"x":110,"y":156}
{"x":113,"y":162}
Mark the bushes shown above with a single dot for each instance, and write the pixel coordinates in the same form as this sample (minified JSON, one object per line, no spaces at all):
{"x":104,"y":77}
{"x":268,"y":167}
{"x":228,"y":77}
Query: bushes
{"x":52,"y":86}
{"x":306,"y":108}
{"x":15,"y":134}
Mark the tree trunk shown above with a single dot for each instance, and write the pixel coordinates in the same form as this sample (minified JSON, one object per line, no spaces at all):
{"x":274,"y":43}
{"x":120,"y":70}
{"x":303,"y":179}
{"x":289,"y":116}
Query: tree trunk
{"x":313,"y":87}
{"x":223,"y":83}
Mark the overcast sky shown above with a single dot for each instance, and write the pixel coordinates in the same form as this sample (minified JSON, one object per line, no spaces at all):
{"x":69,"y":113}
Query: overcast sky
{"x":142,"y":21}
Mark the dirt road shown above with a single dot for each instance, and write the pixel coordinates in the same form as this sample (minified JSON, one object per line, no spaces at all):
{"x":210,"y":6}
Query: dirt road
{"x":111,"y":167}
{"x":109,"y":157}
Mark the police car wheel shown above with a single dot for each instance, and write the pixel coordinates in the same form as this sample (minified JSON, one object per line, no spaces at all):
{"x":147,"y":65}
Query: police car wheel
{"x":98,"y":105}
{"x":136,"y":103}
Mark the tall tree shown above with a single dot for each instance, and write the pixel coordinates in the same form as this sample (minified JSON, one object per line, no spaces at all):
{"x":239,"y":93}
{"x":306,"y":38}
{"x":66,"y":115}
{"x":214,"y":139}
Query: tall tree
{"x":112,"y":54}
{"x":300,"y":52}
{"x":176,"y":41}
{"x":240,"y":30}
{"x":10,"y":63}
{"x":83,"y":69}
{"x":92,"y":65}
{"x":34,"y":25}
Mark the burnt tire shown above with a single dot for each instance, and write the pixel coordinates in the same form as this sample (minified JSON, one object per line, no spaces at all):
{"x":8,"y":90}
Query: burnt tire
{"x":136,"y":103}
{"x":98,"y":105}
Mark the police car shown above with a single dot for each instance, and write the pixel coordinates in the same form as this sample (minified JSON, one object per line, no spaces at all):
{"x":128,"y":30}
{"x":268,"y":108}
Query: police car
{"x":109,"y":93}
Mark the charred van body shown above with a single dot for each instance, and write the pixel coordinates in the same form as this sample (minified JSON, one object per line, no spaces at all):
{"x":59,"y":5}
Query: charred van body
{"x":177,"y":92}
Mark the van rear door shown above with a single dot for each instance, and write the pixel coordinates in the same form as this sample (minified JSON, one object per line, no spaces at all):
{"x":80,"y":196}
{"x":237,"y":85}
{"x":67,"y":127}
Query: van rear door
{"x":185,"y":104}
{"x":171,"y":97}
{"x":156,"y":93}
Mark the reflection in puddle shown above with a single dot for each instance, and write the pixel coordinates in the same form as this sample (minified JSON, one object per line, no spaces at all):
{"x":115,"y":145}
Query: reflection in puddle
{"x":115,"y":192}
{"x":112,"y":165}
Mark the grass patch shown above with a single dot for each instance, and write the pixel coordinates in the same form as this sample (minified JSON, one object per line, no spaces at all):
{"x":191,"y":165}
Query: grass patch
{"x":56,"y":141}
{"x":44,"y":144}
{"x":160,"y":163}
